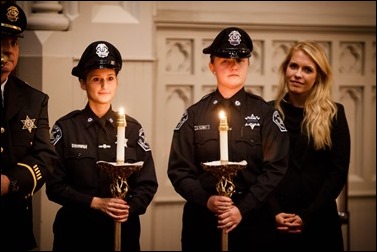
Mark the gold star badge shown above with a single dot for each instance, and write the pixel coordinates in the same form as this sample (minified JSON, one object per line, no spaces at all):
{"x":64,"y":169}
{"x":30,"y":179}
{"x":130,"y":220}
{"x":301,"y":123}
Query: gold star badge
{"x":28,"y":124}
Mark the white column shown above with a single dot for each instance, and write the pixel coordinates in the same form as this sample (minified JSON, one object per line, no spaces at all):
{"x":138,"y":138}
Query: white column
{"x":47,"y":15}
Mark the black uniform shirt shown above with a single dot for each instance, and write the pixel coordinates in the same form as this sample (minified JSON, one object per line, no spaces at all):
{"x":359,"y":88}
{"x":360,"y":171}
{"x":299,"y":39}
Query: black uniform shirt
{"x":77,"y":179}
{"x":257,"y":135}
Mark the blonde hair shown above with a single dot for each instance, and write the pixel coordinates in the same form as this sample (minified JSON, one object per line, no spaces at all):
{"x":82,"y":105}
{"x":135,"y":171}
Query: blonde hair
{"x":319,"y":108}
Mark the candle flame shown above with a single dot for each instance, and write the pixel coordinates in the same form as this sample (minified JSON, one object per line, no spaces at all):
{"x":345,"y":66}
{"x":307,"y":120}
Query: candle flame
{"x":222,"y":114}
{"x":121,"y":111}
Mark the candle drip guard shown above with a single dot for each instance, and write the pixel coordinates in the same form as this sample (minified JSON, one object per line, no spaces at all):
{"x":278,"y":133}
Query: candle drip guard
{"x":224,"y":172}
{"x":119,"y":172}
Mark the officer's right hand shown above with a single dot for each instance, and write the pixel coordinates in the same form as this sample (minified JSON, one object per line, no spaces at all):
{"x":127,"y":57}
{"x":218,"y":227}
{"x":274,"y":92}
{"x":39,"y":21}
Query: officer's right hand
{"x":116,"y":208}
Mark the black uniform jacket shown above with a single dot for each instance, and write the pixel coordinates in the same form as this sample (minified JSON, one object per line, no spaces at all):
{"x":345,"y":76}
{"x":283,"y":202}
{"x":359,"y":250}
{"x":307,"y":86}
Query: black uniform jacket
{"x":77,"y":179}
{"x":257,"y":135}
{"x":26,"y":153}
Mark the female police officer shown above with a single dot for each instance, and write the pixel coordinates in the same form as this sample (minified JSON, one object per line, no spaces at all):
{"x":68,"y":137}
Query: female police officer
{"x":82,"y":137}
{"x":256,"y":135}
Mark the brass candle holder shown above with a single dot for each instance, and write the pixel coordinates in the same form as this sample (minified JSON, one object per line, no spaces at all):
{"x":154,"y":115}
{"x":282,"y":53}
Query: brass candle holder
{"x":224,"y":172}
{"x":119,"y":172}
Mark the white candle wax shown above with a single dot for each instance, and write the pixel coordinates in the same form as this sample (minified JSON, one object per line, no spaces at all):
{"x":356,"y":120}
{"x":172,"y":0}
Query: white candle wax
{"x":223,"y":130}
{"x":121,"y":135}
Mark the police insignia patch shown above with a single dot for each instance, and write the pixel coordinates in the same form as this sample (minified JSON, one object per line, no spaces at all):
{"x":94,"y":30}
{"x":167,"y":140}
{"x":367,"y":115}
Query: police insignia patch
{"x":142,"y":141}
{"x":183,"y":120}
{"x":278,"y":121}
{"x":28,"y":124}
{"x":56,"y":134}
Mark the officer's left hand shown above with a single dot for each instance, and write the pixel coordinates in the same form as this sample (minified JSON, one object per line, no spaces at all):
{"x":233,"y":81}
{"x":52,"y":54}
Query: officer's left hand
{"x":116,"y":208}
{"x":219,"y":204}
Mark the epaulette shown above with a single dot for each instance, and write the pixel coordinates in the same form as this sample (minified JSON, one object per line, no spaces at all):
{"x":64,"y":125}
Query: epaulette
{"x":206,"y":96}
{"x":70,"y":115}
{"x":26,"y":85}
{"x":256,"y":97}
{"x":130,"y":119}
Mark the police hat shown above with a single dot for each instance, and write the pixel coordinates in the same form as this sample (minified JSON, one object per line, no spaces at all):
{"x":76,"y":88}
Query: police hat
{"x":99,"y":54}
{"x":231,"y":42}
{"x":13,"y":19}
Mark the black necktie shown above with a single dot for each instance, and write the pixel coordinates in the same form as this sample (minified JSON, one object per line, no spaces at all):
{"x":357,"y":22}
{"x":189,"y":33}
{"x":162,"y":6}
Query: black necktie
{"x":105,"y":146}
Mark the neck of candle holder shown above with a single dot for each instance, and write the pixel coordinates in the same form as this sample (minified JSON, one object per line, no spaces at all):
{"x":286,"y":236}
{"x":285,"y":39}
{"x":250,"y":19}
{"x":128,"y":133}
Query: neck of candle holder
{"x":121,"y":137}
{"x":223,"y":131}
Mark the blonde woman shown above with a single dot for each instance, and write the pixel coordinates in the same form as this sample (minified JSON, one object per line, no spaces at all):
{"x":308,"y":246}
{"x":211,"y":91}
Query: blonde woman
{"x":304,"y":204}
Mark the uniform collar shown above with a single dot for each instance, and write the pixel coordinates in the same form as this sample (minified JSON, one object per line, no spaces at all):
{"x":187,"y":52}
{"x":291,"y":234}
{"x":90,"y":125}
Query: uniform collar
{"x":236,"y":101}
{"x":91,"y":118}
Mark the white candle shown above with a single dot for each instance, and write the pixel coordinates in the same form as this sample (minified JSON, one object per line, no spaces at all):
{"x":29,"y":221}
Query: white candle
{"x":223,"y":130}
{"x":121,"y":135}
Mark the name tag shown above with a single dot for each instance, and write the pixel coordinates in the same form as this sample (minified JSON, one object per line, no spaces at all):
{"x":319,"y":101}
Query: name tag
{"x":79,"y":146}
{"x":201,"y":127}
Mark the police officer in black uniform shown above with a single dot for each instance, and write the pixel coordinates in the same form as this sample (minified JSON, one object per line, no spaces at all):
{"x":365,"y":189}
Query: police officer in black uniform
{"x":83,"y":137}
{"x":26,"y":151}
{"x":256,"y":134}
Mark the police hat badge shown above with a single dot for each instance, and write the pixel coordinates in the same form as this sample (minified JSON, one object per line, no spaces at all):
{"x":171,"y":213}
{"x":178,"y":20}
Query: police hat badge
{"x":13,"y":19}
{"x":232,"y":42}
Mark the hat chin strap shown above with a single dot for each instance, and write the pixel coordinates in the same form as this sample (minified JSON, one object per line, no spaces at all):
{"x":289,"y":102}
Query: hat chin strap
{"x":11,"y":27}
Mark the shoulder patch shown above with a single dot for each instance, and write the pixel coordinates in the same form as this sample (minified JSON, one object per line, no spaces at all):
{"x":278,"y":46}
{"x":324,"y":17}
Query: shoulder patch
{"x":278,"y":121}
{"x":182,"y":121}
{"x":143,"y":141}
{"x":56,"y":134}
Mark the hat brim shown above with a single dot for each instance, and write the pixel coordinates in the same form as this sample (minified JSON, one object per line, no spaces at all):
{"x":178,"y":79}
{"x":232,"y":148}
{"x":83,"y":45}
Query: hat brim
{"x":231,"y":53}
{"x":11,"y":34}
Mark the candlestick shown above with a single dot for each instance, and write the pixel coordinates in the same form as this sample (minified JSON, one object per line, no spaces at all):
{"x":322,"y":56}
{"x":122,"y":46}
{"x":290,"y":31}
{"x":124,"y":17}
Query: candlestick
{"x":121,"y":135}
{"x":223,"y":130}
{"x":225,"y":185}
{"x":119,"y":187}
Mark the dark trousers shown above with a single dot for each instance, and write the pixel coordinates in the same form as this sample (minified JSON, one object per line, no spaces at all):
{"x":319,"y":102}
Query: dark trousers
{"x":200,"y":232}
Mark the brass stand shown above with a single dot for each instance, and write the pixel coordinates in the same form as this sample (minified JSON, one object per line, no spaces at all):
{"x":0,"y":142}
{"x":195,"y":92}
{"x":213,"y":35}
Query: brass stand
{"x":224,"y":172}
{"x":119,"y":172}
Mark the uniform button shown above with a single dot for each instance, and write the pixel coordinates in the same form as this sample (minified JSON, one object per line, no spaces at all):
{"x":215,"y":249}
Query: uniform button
{"x":79,"y":154}
{"x":2,"y":130}
{"x":31,"y":143}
